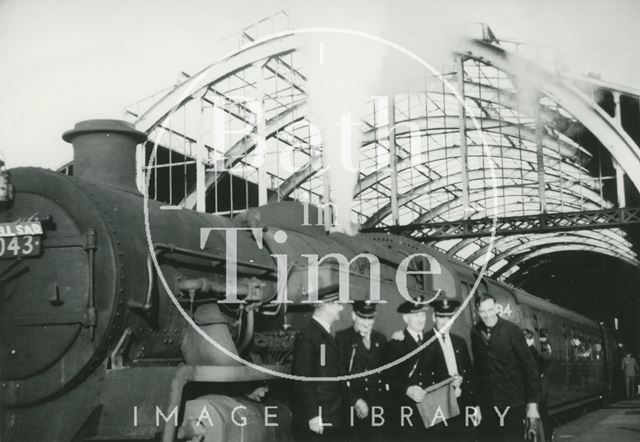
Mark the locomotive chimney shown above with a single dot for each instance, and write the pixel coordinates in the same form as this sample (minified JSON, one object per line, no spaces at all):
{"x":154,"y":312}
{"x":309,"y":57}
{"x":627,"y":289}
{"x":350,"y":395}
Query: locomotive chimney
{"x":104,"y":152}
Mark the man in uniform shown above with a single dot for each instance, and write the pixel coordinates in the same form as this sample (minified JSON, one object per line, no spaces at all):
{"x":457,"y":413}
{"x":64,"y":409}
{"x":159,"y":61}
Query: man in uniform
{"x":363,"y":349}
{"x":447,"y":356}
{"x":407,"y":379}
{"x":543,"y":360}
{"x":507,"y":378}
{"x":318,"y":409}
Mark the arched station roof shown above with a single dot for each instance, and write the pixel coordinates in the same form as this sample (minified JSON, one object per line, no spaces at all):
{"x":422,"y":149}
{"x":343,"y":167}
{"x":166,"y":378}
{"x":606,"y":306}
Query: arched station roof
{"x":546,"y":154}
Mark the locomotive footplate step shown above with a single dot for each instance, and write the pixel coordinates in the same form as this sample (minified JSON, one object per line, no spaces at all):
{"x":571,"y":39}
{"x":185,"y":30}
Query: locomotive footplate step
{"x":619,"y":422}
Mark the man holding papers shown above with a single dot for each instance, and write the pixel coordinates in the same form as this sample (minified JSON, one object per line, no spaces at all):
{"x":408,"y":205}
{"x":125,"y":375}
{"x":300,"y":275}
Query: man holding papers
{"x":448,"y":358}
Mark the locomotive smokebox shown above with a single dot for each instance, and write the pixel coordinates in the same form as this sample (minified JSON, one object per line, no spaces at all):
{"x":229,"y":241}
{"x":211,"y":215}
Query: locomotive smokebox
{"x":104,"y":152}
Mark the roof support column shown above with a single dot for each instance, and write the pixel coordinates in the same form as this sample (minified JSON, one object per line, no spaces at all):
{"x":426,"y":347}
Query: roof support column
{"x":393,"y":159}
{"x":201,"y":157}
{"x":540,"y":156}
{"x":462,"y":130}
{"x":262,"y":140}
{"x":617,"y":115}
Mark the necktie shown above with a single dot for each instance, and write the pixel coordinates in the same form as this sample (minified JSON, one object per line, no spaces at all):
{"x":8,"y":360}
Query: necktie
{"x":486,"y":333}
{"x":366,"y":340}
{"x":419,"y":338}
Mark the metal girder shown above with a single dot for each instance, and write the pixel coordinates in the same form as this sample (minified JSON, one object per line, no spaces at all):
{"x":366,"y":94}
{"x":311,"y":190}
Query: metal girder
{"x":474,"y":175}
{"x":507,"y":246}
{"x":560,"y":197}
{"x":505,"y":98}
{"x":246,"y":144}
{"x":234,"y":62}
{"x":623,"y":149}
{"x":514,"y":225}
{"x":510,"y":100}
{"x":603,"y":84}
{"x":500,"y":243}
{"x":550,"y":144}
{"x":568,"y":148}
{"x":452,"y":153}
{"x":535,"y":245}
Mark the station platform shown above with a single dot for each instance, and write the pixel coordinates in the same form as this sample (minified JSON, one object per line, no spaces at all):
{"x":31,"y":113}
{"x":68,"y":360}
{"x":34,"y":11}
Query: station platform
{"x":619,"y":422}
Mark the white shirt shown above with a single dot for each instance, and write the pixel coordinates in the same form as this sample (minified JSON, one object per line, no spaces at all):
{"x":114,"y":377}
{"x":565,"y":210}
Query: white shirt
{"x":324,"y":324}
{"x":449,"y":354}
{"x":417,"y":336}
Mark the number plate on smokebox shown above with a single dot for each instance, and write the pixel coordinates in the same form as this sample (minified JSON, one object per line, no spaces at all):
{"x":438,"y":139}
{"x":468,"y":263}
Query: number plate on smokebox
{"x":21,"y":238}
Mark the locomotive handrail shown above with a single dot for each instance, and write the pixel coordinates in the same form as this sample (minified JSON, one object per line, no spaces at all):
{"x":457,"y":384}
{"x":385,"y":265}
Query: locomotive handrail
{"x":196,"y":254}
{"x":146,"y":305}
{"x":170,"y":248}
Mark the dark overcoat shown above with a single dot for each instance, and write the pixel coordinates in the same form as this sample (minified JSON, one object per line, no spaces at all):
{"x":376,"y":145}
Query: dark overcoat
{"x":505,"y":371}
{"x":312,"y":396}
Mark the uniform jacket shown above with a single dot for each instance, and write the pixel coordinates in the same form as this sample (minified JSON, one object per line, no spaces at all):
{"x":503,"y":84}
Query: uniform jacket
{"x":505,"y":371}
{"x":356,"y":359}
{"x":436,"y":366}
{"x":310,"y":395}
{"x":408,"y":373}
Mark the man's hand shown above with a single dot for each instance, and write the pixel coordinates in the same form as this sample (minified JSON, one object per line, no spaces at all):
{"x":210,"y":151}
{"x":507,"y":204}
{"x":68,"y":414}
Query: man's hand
{"x":416,"y":393}
{"x":457,"y":380}
{"x":478,"y":414}
{"x":259,"y":393}
{"x":362,"y":409}
{"x":532,"y":411}
{"x":398,"y":335}
{"x":193,"y":430}
{"x":315,"y":425}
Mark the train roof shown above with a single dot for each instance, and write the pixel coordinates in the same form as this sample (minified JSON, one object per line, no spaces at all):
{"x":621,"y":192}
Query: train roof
{"x":542,"y":304}
{"x":526,"y":298}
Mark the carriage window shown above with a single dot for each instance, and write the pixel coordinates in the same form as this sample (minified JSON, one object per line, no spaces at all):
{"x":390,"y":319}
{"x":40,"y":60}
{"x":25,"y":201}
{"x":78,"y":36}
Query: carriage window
{"x":545,"y":345}
{"x":597,"y":350}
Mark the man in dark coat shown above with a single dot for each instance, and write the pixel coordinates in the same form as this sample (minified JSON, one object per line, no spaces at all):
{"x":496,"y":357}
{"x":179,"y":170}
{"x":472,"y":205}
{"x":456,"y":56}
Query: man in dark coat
{"x":407,"y":379}
{"x":447,"y":356}
{"x":506,"y":375}
{"x":543,"y":360}
{"x":363,"y":349}
{"x":318,"y":408}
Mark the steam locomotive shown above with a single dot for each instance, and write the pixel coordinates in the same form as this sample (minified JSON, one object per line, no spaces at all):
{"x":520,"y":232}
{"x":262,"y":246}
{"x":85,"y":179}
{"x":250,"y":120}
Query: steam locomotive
{"x":119,"y":320}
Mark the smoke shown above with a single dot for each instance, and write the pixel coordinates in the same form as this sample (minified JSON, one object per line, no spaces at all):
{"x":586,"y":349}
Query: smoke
{"x":340,"y":72}
{"x":345,"y":72}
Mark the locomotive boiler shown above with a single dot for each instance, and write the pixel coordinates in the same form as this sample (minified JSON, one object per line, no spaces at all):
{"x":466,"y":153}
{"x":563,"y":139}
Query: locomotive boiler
{"x":124,"y":319}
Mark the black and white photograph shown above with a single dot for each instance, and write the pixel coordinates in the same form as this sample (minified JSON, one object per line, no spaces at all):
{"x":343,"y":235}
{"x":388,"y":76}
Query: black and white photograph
{"x":290,"y":221}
